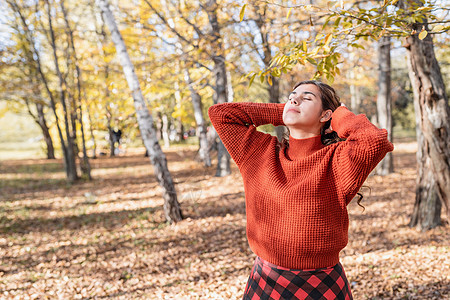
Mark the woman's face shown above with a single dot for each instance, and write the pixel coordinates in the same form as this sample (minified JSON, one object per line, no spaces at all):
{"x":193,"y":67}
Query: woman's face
{"x":303,"y":111}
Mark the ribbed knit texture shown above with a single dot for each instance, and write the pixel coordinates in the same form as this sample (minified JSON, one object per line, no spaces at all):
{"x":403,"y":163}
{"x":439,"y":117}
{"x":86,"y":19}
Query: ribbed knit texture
{"x":296,"y":198}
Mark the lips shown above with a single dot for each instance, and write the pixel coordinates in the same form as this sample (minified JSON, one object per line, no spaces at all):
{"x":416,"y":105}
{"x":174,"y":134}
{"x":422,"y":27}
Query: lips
{"x":293,"y":110}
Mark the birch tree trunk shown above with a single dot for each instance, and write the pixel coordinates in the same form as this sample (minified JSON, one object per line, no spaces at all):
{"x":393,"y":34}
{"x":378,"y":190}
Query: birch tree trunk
{"x":159,"y":126}
{"x":433,"y":131}
{"x":172,"y":209}
{"x":384,"y":102}
{"x":179,"y":124}
{"x":91,"y":130}
{"x":219,"y":70}
{"x":165,"y":130}
{"x":200,"y":120}
{"x":230,"y":91}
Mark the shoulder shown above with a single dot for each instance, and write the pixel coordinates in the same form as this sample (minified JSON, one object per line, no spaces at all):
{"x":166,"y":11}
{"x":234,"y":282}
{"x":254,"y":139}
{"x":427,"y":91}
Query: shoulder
{"x":266,"y":149}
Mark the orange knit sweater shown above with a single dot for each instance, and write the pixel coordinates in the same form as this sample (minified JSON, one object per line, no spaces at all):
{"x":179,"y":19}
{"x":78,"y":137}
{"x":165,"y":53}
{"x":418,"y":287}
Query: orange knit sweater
{"x":296,"y":198}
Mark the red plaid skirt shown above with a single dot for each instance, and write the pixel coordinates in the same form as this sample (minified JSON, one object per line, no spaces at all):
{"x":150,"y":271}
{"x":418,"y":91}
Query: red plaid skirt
{"x":269,"y":281}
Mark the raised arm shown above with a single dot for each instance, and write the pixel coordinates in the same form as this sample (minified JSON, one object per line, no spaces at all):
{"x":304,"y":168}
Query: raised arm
{"x":236,"y":125}
{"x":365,"y":147}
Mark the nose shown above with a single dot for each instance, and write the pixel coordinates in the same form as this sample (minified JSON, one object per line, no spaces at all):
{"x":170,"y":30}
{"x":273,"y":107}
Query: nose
{"x":294,"y":101}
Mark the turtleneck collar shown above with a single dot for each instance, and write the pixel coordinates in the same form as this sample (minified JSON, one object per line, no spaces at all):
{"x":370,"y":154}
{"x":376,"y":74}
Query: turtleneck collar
{"x":299,"y":148}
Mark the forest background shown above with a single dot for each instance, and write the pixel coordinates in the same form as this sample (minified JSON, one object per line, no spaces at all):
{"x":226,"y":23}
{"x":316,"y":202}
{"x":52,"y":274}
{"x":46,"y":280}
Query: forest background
{"x":74,"y":131}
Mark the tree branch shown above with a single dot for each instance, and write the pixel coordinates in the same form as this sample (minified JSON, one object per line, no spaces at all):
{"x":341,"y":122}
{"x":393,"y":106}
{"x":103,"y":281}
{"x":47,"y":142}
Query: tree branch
{"x":162,"y":18}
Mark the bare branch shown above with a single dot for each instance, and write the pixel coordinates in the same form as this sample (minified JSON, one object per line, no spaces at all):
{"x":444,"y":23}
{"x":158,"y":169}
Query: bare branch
{"x":162,"y":18}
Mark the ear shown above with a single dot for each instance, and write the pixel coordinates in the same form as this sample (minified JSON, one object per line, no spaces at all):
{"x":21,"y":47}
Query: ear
{"x":326,"y":115}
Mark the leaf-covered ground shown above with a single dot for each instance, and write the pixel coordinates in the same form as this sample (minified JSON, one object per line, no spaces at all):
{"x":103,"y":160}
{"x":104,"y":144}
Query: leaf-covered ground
{"x":107,"y":238}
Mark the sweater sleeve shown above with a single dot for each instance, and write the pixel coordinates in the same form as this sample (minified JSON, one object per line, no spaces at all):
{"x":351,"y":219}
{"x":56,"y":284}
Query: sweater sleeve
{"x":365,"y":146}
{"x":236,"y":125}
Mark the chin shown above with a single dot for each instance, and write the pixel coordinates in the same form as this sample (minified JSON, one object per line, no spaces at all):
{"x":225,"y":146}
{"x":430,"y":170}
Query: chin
{"x":289,"y":122}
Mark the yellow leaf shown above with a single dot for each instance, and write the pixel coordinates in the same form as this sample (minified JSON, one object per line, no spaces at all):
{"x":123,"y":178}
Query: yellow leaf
{"x":251,"y":79}
{"x":277,"y":72}
{"x":269,"y":80}
{"x":438,"y":28}
{"x":288,"y":14}
{"x":304,"y":46}
{"x":241,"y":14}
{"x":261,"y":78}
{"x":423,"y":34}
{"x":328,"y":39}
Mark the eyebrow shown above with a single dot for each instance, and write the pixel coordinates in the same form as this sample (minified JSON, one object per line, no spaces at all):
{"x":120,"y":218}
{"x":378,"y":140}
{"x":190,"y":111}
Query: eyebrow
{"x":304,"y":93}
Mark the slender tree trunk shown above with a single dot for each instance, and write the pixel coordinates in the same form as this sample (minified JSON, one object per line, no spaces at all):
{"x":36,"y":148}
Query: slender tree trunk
{"x":45,"y":132}
{"x":219,"y":70}
{"x":40,"y":120}
{"x":71,"y":168}
{"x":355,"y":97}
{"x":384,"y":102}
{"x":433,"y":131}
{"x":230,"y":91}
{"x":274,"y":97}
{"x":200,"y":120}
{"x":72,"y":111}
{"x":172,"y":209}
{"x":179,"y":123}
{"x":91,"y":130}
{"x":112,"y":145}
{"x":77,"y":105}
{"x":165,"y":130}
{"x":85,"y":165}
{"x":73,"y":118}
{"x":159,"y":126}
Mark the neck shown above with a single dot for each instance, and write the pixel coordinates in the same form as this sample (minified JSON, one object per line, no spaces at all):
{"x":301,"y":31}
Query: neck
{"x":299,"y":133}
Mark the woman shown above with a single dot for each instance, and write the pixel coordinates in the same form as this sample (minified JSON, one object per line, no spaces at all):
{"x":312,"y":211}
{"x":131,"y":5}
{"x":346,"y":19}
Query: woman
{"x":297,"y":192}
